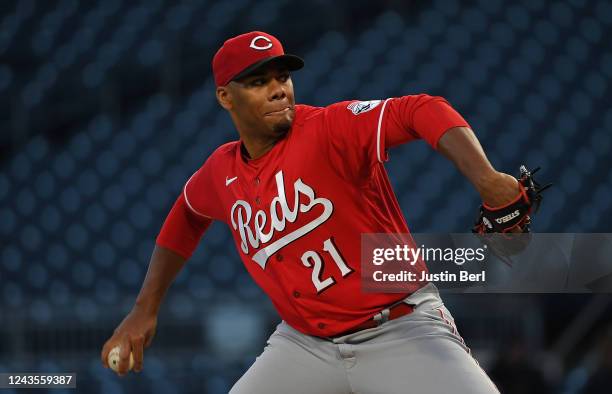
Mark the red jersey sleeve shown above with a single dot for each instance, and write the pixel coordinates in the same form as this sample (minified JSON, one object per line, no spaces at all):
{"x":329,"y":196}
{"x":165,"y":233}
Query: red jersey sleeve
{"x":182,"y":229}
{"x":419,"y":117}
{"x":191,"y":215}
{"x":200,"y":193}
{"x":360,"y":132}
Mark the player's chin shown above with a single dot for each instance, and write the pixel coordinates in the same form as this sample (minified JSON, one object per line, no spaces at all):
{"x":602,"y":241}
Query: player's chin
{"x":282,"y":126}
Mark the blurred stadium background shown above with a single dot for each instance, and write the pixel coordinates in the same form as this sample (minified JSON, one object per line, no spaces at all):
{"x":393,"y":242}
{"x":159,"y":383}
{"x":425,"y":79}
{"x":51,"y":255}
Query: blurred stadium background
{"x":108,"y":107}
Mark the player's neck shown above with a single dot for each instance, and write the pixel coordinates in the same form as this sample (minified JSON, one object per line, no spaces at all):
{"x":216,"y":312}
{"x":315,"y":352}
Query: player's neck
{"x":254,"y":148}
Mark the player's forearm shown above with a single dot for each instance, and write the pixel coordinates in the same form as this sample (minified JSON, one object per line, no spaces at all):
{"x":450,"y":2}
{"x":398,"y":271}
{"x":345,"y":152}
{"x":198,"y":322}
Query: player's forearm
{"x":163,"y":269}
{"x":461,"y":146}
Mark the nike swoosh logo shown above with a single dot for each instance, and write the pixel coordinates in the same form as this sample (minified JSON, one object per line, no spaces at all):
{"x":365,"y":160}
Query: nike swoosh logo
{"x":230,"y":180}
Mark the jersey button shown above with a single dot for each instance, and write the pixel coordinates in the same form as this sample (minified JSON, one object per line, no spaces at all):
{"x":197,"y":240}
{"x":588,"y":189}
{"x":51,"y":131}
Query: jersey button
{"x":296,"y":294}
{"x":279,"y":257}
{"x":257,"y":200}
{"x":321,"y":325}
{"x":257,"y":181}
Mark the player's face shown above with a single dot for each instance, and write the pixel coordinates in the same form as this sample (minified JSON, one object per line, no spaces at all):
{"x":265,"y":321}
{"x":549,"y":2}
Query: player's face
{"x":263,"y":103}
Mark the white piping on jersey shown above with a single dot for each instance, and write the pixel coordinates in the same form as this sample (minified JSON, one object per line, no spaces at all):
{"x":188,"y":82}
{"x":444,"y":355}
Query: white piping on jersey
{"x":187,"y":200}
{"x":380,"y":118}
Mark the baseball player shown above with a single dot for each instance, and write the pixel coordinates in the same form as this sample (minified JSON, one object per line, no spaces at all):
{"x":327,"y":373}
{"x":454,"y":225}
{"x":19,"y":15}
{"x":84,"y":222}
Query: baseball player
{"x":297,"y":190}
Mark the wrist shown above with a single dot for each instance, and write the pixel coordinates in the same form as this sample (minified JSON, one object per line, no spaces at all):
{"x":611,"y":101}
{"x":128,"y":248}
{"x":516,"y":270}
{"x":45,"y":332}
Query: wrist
{"x":147,"y":305}
{"x":499,"y":189}
{"x":487,"y":183}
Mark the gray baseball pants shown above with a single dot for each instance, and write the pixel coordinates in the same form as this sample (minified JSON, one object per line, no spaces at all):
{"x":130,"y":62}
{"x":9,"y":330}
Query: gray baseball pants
{"x":419,"y":353}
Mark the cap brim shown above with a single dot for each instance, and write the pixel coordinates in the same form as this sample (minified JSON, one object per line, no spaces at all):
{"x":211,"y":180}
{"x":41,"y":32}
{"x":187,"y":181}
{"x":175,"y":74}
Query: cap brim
{"x":292,"y":63}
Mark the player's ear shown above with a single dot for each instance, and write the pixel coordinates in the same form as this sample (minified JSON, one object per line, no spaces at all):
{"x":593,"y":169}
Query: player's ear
{"x":224,"y":97}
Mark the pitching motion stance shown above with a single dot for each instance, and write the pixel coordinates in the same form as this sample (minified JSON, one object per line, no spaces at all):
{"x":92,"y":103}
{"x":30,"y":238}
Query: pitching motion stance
{"x":297,"y":190}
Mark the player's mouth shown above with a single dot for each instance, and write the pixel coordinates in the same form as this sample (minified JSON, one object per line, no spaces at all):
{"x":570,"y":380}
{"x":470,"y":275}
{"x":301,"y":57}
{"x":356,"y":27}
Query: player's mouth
{"x":280,"y":111}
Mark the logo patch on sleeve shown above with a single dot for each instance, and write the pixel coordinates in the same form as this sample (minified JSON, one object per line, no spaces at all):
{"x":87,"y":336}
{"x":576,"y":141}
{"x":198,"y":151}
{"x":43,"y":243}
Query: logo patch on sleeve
{"x":359,"y":107}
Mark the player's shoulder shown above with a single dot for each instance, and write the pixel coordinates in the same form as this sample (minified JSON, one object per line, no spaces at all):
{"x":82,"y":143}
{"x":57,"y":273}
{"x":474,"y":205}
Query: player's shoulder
{"x":304,"y":112}
{"x":354,"y":107}
{"x":361,"y":109}
{"x":347,"y":106}
{"x":226,"y":151}
{"x":331,"y":116}
{"x":223,"y":154}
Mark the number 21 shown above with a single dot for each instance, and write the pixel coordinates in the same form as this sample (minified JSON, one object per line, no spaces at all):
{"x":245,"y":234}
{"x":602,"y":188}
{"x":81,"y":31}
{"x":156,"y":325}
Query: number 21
{"x":312,"y":259}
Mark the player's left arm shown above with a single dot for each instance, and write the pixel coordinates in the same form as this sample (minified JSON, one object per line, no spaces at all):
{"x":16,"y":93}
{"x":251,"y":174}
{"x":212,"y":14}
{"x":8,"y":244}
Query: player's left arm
{"x":434,"y":120}
{"x":460,"y":145}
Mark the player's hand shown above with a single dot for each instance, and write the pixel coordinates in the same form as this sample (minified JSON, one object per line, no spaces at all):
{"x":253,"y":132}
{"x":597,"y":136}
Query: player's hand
{"x":134,"y":334}
{"x":501,"y":189}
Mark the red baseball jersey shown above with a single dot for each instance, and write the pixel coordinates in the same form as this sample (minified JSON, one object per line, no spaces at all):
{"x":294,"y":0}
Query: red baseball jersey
{"x":297,"y":213}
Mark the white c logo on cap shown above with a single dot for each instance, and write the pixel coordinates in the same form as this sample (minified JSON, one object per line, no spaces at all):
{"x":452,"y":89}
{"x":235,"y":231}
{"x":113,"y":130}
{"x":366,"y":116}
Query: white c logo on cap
{"x":263,"y":48}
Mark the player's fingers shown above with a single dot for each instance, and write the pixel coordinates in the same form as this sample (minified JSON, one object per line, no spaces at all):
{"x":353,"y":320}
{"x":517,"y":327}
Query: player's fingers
{"x":124,"y":355}
{"x":104,"y":354}
{"x":149,"y":338}
{"x":138,"y":353}
{"x":148,"y":341}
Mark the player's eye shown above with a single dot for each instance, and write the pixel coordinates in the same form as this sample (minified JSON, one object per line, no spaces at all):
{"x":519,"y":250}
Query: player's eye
{"x":284,"y":77}
{"x":258,"y":82}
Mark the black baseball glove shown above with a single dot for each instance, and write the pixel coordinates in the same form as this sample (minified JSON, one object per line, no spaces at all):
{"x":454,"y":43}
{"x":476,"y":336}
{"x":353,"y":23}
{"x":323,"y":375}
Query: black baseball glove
{"x":497,"y":226}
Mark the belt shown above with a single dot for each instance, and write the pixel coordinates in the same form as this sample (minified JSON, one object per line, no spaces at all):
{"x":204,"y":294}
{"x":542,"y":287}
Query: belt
{"x":387,"y":314}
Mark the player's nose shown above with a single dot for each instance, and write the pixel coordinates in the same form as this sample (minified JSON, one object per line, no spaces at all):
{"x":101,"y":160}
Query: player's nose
{"x":276,"y":90}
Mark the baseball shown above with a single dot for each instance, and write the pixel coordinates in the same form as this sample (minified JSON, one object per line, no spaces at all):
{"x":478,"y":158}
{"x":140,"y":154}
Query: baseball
{"x":113,"y":359}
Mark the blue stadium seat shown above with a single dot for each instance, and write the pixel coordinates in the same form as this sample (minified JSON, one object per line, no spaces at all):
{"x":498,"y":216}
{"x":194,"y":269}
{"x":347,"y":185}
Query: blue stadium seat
{"x":13,"y":295}
{"x":45,"y":185}
{"x":83,"y":274}
{"x":57,"y":256}
{"x":140,"y":215}
{"x":601,"y":143}
{"x":221,"y":268}
{"x":77,"y":237}
{"x":26,"y":202}
{"x":122,"y":235}
{"x":88,"y":183}
{"x":40,"y":311}
{"x":11,"y":258}
{"x":580,"y":104}
{"x":50,"y":219}
{"x":518,"y":17}
{"x":535,"y":107}
{"x":218,"y":384}
{"x":81,"y":146}
{"x":60,"y":294}
{"x":151,"y":52}
{"x":200,"y":287}
{"x":130,"y":272}
{"x":37,"y":275}
{"x":103,"y":254}
{"x":70,"y":199}
{"x":21,"y":167}
{"x":106,"y":291}
{"x":595,"y":85}
{"x":63,"y":165}
{"x":30,"y":237}
{"x":571,"y":181}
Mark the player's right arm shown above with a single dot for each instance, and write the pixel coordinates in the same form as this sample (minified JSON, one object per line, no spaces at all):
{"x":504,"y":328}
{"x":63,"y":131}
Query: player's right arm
{"x":177,"y":240}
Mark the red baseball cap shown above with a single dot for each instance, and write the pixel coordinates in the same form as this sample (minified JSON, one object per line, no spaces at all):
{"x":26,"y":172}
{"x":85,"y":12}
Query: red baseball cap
{"x":241,"y":55}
